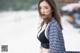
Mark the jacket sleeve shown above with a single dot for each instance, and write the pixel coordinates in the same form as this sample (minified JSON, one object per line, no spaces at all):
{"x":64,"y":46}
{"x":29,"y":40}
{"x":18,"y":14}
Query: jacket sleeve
{"x":56,"y":42}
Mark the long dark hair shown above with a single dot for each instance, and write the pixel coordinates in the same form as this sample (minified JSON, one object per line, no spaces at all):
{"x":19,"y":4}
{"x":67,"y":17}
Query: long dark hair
{"x":55,"y":13}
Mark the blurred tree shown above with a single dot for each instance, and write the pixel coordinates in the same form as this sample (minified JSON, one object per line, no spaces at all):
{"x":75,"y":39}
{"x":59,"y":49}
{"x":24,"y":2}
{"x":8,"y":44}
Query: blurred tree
{"x":23,"y":4}
{"x":16,"y":4}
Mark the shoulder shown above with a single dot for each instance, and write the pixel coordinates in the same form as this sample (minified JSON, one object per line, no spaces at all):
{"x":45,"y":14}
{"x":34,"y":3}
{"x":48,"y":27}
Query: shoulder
{"x":54,"y":23}
{"x":53,"y":28}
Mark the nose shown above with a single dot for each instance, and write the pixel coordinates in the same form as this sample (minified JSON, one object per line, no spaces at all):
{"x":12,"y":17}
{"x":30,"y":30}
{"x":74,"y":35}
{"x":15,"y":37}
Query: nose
{"x":42,"y":11}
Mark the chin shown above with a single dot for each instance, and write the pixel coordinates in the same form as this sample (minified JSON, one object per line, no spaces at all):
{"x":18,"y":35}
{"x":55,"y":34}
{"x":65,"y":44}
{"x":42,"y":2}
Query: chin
{"x":44,"y":17}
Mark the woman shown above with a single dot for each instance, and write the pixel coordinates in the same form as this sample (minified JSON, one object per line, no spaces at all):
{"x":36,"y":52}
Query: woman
{"x":50,"y":33}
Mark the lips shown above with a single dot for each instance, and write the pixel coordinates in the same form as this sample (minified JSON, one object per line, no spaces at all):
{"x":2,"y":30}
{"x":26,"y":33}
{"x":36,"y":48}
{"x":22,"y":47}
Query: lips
{"x":43,"y":15}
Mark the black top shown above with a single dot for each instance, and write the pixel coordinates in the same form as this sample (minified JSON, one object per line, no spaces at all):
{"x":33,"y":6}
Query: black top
{"x":44,"y":41}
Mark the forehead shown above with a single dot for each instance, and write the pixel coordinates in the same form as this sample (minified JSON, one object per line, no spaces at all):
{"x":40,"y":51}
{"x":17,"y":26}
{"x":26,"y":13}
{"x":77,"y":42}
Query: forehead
{"x":44,"y":3}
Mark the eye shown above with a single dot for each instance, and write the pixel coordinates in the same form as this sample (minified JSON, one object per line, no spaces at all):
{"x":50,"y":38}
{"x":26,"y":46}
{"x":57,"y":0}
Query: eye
{"x":45,"y":7}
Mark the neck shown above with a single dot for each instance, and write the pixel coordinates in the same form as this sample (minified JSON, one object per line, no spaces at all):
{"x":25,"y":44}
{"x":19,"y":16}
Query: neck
{"x":46,"y":20}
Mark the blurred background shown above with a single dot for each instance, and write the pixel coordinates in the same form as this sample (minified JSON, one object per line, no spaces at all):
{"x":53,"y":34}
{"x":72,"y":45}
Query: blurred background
{"x":19,"y":22}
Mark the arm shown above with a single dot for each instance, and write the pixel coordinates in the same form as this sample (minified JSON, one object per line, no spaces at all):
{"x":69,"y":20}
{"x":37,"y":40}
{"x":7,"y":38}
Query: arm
{"x":41,"y":50}
{"x":56,"y":42}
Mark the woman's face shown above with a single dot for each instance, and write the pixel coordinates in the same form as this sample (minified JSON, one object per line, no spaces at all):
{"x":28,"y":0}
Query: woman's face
{"x":45,"y":10}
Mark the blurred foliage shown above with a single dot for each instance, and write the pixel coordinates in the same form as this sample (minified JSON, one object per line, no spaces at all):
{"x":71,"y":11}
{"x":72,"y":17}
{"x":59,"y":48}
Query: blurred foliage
{"x":16,"y":4}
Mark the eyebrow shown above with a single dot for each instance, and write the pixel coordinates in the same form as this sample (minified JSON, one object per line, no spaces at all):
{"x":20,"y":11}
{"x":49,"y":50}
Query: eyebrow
{"x":43,"y":6}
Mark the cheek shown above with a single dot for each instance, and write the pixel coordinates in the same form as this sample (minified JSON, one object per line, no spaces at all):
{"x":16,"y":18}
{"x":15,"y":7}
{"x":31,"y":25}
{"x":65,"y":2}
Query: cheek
{"x":48,"y":11}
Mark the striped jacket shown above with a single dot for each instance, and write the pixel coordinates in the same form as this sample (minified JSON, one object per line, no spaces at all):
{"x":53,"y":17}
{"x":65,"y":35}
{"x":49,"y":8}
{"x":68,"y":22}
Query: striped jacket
{"x":55,"y":37}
